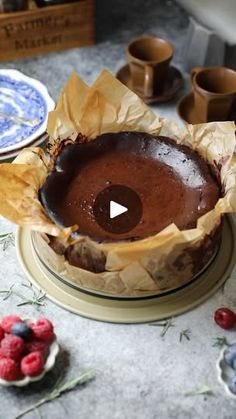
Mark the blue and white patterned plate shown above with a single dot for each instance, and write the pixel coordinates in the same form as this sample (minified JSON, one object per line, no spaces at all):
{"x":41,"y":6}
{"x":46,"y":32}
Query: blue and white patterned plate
{"x":225,"y":373}
{"x":10,"y":155}
{"x":24,"y":107}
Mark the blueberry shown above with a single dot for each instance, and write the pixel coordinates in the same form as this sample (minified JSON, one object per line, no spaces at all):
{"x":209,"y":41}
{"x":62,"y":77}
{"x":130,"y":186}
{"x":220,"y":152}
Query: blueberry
{"x":22,"y":330}
{"x":230,"y":354}
{"x":232,"y":384}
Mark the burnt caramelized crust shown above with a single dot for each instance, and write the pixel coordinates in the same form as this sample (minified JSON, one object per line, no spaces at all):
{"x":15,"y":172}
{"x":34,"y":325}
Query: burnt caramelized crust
{"x":174,"y":183}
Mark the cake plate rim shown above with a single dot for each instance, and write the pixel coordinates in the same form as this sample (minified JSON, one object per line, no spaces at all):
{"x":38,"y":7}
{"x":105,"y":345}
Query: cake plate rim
{"x":130,"y":311}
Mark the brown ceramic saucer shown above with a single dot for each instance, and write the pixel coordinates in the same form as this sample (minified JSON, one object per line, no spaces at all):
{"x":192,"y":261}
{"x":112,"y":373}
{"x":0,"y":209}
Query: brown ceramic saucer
{"x":186,"y":110}
{"x":172,"y":84}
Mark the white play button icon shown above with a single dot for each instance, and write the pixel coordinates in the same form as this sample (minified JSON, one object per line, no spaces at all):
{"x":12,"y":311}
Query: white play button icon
{"x":116,"y":209}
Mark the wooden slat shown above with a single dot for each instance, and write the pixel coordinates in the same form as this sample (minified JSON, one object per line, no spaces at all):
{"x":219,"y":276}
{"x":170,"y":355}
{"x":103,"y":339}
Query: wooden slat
{"x":42,"y":30}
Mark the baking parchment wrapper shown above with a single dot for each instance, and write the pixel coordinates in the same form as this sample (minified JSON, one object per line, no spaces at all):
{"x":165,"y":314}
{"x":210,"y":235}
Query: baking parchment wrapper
{"x":131,"y":268}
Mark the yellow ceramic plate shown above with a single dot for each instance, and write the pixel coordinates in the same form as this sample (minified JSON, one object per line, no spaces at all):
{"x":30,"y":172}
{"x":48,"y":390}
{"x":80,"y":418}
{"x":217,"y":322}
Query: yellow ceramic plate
{"x":130,"y":311}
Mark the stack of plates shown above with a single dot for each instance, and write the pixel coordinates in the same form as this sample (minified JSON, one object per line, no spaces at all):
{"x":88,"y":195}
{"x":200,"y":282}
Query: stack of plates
{"x":24,"y":107}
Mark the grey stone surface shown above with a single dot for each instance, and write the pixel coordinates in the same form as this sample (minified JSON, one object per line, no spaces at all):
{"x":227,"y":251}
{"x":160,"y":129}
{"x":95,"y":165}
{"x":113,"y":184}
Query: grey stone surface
{"x":139,"y":374}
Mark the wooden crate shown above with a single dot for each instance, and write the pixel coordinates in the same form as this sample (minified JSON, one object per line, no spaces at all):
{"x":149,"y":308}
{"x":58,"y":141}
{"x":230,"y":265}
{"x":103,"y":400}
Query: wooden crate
{"x":42,"y":30}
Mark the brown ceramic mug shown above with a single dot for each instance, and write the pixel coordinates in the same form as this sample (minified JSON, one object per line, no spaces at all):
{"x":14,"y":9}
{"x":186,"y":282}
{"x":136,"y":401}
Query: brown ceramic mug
{"x":149,"y":59}
{"x":214,"y":90}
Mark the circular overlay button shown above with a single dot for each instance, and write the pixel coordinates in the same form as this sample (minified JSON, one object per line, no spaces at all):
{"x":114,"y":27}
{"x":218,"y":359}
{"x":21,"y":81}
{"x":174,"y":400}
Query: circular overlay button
{"x":117,"y":209}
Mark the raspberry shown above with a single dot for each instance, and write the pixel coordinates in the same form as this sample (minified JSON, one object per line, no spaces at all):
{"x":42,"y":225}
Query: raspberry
{"x":1,"y":333}
{"x":12,"y":346}
{"x":225,"y":318}
{"x":9,"y":369}
{"x":8,"y":321}
{"x":1,"y":354}
{"x":43,"y":330}
{"x":37,"y":346}
{"x":32,"y":364}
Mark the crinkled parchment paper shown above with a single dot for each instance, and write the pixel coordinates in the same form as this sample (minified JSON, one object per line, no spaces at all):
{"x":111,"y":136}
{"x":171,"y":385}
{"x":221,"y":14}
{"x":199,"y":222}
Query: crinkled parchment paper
{"x":132,"y":268}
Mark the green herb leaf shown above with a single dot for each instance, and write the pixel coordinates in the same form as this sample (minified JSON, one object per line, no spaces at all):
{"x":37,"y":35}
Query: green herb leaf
{"x":220,"y":342}
{"x":7,"y":293}
{"x":34,"y":297}
{"x":184,"y":334}
{"x":7,"y":239}
{"x":166,"y":325}
{"x":60,"y":389}
{"x":202,"y":391}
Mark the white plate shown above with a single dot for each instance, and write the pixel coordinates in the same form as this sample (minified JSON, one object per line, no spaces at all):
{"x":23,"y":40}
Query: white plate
{"x":50,"y":362}
{"x":23,"y":97}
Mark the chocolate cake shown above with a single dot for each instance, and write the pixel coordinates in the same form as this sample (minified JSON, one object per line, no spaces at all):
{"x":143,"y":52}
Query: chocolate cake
{"x":174,"y":183}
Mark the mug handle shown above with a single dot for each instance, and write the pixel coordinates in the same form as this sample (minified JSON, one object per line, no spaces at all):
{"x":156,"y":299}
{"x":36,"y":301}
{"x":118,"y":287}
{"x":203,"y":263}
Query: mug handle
{"x":194,"y":71}
{"x":148,"y":81}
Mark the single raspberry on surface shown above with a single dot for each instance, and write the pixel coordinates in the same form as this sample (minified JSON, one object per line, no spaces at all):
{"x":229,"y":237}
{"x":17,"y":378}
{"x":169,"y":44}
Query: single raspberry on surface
{"x":43,"y":330}
{"x":8,"y":321}
{"x":1,"y":333}
{"x":9,"y":369}
{"x":37,"y":346}
{"x":32,"y":364}
{"x":12,"y":346}
{"x":225,"y":318}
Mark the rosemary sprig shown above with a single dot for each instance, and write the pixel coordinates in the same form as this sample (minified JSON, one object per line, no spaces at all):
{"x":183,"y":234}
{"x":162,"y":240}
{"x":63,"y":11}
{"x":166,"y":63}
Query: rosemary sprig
{"x":37,"y":297}
{"x":7,"y":293}
{"x":7,"y":240}
{"x":184,"y":334}
{"x":220,"y":342}
{"x":165,"y":326}
{"x":58,"y":390}
{"x":202,"y":391}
